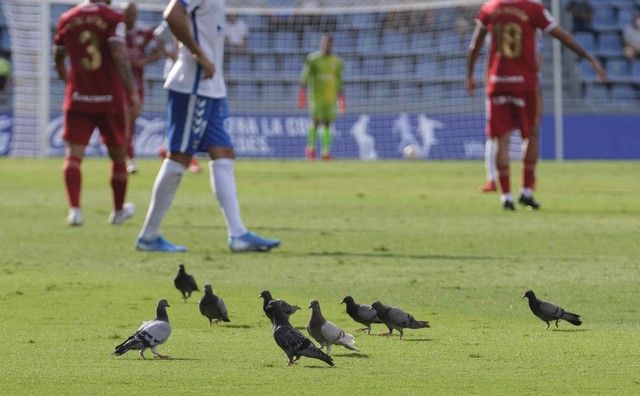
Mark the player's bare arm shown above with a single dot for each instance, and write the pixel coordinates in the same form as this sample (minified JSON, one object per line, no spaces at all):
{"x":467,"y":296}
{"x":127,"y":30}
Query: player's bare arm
{"x":568,"y":41}
{"x":59,"y":55}
{"x":477,"y":41}
{"x":118,"y":51}
{"x":176,"y":17}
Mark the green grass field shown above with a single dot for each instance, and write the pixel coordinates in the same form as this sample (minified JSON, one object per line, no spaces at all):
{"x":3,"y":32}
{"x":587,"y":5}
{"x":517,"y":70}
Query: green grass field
{"x":413,"y":234}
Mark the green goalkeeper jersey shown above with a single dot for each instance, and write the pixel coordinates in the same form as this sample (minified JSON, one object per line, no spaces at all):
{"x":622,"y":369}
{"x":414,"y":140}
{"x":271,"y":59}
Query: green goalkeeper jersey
{"x":323,"y":75}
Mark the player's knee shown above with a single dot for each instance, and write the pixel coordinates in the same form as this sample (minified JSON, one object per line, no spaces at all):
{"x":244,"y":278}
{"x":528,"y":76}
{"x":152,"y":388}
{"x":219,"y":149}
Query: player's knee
{"x":222,"y":152}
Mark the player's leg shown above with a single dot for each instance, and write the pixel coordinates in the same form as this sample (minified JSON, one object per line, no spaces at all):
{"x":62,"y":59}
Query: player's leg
{"x":132,"y":166}
{"x":501,"y":124}
{"x":113,"y":130}
{"x":312,"y":139}
{"x":327,"y":114}
{"x":223,"y":183}
{"x":181,"y":112}
{"x":77,"y":131}
{"x":490,"y":166}
{"x":530,"y":148}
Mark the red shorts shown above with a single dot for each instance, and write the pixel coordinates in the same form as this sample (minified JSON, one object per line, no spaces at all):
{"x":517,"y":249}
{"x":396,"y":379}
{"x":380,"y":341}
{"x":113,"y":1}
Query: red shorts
{"x":507,"y":112}
{"x":79,"y":126}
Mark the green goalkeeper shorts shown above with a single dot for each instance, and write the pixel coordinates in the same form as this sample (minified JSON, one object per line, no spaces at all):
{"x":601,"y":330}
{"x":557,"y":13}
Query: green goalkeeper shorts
{"x":323,"y":111}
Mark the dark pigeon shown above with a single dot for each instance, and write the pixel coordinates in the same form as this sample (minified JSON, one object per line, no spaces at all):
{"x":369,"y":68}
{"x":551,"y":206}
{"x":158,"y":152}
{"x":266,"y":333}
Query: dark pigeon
{"x":290,"y":339}
{"x":395,"y":318}
{"x":185,"y":283}
{"x":361,"y":313}
{"x":287,"y":309}
{"x":212,"y":307}
{"x":549,"y":312}
{"x":149,"y":335}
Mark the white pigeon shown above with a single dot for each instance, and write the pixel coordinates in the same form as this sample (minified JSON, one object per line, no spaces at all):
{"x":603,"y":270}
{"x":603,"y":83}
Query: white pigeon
{"x":149,"y":335}
{"x":327,"y":333}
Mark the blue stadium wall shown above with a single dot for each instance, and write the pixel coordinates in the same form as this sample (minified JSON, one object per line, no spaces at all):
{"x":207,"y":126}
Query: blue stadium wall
{"x":597,"y":137}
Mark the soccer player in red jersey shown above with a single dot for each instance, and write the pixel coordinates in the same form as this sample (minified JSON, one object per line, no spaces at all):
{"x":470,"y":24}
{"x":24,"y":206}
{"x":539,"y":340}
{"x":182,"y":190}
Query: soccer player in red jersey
{"x":139,"y":40}
{"x":92,"y":36}
{"x":512,"y":82}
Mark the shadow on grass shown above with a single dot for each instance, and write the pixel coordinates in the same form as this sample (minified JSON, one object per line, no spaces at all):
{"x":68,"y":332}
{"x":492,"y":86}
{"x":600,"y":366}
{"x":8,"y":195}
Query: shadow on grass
{"x":237,"y":326}
{"x":402,"y":256}
{"x":418,"y":339}
{"x":318,"y":367}
{"x":353,"y":355}
{"x":568,"y":330}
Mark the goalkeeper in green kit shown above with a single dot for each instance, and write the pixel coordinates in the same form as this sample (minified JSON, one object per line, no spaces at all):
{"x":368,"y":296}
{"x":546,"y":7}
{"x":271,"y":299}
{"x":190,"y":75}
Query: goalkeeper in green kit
{"x":322,"y":73}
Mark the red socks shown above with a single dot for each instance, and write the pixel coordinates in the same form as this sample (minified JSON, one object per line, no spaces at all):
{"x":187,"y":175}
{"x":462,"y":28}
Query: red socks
{"x":119,"y":183}
{"x":72,"y":180}
{"x":503,"y":177}
{"x":529,"y":174}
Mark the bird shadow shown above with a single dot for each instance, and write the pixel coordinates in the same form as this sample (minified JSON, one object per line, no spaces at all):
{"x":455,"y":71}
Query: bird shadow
{"x":238,"y":326}
{"x":318,"y":367}
{"x":418,"y":339}
{"x":568,"y":330}
{"x":353,"y":355}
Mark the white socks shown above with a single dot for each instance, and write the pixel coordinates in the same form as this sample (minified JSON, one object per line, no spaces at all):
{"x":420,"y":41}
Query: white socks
{"x":490,"y":147}
{"x":506,"y":197}
{"x":164,"y":189}
{"x":223,"y":185}
{"x":527,"y":192}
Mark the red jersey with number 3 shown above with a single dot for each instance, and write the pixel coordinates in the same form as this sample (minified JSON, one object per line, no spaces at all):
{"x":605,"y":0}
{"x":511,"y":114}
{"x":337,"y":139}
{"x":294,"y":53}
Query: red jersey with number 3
{"x":93,"y":83}
{"x":513,"y":65}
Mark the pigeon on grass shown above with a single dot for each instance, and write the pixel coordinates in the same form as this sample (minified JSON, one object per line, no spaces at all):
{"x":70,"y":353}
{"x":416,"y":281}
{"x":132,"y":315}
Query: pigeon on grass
{"x":395,"y":318}
{"x":185,"y":283}
{"x":361,"y":313}
{"x":286,"y":308}
{"x":212,"y":307}
{"x":149,"y":335}
{"x":290,"y":339}
{"x":325,"y":332}
{"x":549,"y":312}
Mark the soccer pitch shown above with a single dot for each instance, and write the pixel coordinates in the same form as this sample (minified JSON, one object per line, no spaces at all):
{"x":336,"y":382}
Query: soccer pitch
{"x":417,"y":235}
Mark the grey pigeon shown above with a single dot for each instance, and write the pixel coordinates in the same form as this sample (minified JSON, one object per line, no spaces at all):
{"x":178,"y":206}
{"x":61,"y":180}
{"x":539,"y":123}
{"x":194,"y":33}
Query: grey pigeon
{"x":549,"y":312}
{"x":325,"y":332}
{"x":361,"y":313}
{"x":149,"y":335}
{"x":287,"y":309}
{"x":395,"y":318}
{"x":185,"y":283}
{"x":213,"y":307}
{"x":290,"y":339}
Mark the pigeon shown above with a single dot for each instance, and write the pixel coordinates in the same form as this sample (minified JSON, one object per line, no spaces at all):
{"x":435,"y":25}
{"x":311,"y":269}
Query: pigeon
{"x":213,"y":307}
{"x":325,"y":332}
{"x":286,"y":308}
{"x":395,"y":318}
{"x":549,"y":312}
{"x":290,"y":339}
{"x":361,"y":313}
{"x":185,"y":283}
{"x":149,"y":335}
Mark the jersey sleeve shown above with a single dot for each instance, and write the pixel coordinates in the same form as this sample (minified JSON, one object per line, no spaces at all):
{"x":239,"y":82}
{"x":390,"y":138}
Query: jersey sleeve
{"x":483,"y":16}
{"x":190,"y":5}
{"x":542,"y":18}
{"x":117,"y":28}
{"x":306,"y":70}
{"x":58,"y":37}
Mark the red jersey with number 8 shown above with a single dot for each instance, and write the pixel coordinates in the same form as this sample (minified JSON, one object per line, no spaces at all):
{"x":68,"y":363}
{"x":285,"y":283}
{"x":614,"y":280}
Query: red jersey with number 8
{"x":513,"y":65}
{"x":93,"y":84}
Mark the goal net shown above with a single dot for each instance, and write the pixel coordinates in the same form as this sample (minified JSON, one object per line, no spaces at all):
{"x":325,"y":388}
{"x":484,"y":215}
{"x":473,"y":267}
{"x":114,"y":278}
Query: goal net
{"x":403,"y":76}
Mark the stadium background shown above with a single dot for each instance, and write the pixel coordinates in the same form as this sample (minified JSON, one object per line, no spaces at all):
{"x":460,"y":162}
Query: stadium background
{"x":404,"y":77}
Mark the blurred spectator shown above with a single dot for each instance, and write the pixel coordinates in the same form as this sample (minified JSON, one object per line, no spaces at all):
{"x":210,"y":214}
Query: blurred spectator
{"x":237,"y":33}
{"x":5,"y":76}
{"x":582,"y":15}
{"x":631,"y":34}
